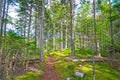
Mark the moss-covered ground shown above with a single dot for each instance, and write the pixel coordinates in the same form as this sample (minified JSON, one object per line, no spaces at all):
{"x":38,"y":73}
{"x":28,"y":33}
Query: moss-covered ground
{"x":67,"y":68}
{"x":29,"y":76}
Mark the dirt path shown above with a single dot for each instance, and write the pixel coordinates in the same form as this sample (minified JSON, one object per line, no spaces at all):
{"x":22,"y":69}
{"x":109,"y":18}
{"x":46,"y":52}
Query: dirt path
{"x":50,"y":73}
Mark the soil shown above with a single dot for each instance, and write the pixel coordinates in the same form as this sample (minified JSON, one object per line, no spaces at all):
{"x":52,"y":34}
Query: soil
{"x":50,"y":73}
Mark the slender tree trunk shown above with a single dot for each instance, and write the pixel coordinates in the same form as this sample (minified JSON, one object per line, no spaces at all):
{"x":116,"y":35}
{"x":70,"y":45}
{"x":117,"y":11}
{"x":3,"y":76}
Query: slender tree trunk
{"x":6,"y":16}
{"x":72,"y":27}
{"x":112,"y":52}
{"x":29,"y":26}
{"x":95,"y":41}
{"x":1,"y":10}
{"x":54,"y":37}
{"x":66,"y":37}
{"x":36,"y":32}
{"x":2,"y":56}
{"x":95,"y":30}
{"x":2,"y":17}
{"x":61,"y":36}
{"x":42,"y":31}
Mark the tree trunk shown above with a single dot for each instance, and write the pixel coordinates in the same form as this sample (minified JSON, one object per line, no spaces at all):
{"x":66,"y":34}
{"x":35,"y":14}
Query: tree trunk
{"x":2,"y":56}
{"x":1,"y":8}
{"x":112,"y":52}
{"x":29,"y":26}
{"x":66,"y":37}
{"x":61,"y":36}
{"x":42,"y":31}
{"x":2,"y":17}
{"x":93,"y":62}
{"x":54,"y":37}
{"x":72,"y":27}
{"x":95,"y":30}
{"x":6,"y":16}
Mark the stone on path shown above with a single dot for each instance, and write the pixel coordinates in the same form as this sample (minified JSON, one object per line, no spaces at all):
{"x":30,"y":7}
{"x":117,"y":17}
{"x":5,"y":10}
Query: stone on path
{"x":79,"y":74}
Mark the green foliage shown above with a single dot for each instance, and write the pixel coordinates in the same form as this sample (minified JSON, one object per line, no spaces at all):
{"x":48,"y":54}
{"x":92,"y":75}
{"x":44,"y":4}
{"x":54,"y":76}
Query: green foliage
{"x":83,"y":52}
{"x":116,"y":4}
{"x":29,"y":76}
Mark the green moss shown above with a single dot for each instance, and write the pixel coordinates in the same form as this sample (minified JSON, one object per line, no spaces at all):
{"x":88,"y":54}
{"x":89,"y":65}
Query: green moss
{"x":58,"y":54}
{"x":83,"y":52}
{"x":29,"y":76}
{"x":65,"y":69}
{"x":103,"y":71}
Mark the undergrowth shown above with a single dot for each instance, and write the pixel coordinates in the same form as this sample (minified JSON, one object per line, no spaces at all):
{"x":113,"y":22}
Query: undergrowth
{"x":66,"y":68}
{"x":29,"y":76}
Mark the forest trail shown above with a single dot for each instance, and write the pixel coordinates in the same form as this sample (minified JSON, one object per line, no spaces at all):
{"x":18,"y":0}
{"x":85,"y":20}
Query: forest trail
{"x":50,"y":73}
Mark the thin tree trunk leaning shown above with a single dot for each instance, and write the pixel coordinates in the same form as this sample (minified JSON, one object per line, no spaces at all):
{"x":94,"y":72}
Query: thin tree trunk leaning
{"x":42,"y":31}
{"x":72,"y":27}
{"x":112,"y":52}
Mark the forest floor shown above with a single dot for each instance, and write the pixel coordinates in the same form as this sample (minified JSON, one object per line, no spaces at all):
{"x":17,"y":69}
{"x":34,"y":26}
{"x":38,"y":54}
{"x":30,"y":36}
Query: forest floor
{"x":50,"y":73}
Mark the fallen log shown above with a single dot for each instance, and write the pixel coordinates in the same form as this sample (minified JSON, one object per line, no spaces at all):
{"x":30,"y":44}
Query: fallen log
{"x":24,"y":60}
{"x":90,"y":60}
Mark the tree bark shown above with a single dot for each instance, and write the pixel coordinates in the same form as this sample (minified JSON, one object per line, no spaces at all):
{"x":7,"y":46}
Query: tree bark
{"x":95,"y":30}
{"x":42,"y":31}
{"x":54,"y":37}
{"x":2,"y":56}
{"x":72,"y":27}
{"x":61,"y":36}
{"x":29,"y":26}
{"x":95,"y":41}
{"x":66,"y":37}
{"x":1,"y":11}
{"x":112,"y":52}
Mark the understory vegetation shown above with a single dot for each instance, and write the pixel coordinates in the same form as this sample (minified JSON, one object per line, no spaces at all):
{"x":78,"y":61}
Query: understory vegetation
{"x":66,"y":68}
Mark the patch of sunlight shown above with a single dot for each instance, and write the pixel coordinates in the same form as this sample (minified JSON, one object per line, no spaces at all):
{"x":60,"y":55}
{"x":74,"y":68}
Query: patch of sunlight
{"x":86,"y":69}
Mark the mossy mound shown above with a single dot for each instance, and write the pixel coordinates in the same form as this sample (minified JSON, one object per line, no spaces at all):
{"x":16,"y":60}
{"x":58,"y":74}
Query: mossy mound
{"x":29,"y":76}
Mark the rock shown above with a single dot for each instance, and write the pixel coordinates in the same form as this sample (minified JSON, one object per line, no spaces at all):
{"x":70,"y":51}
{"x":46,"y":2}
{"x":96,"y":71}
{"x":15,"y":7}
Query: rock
{"x":79,"y":74}
{"x":75,"y":60}
{"x":69,"y":79}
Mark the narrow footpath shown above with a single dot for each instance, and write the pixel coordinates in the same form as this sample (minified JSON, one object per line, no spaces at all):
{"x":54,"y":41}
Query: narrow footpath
{"x":50,"y":73}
